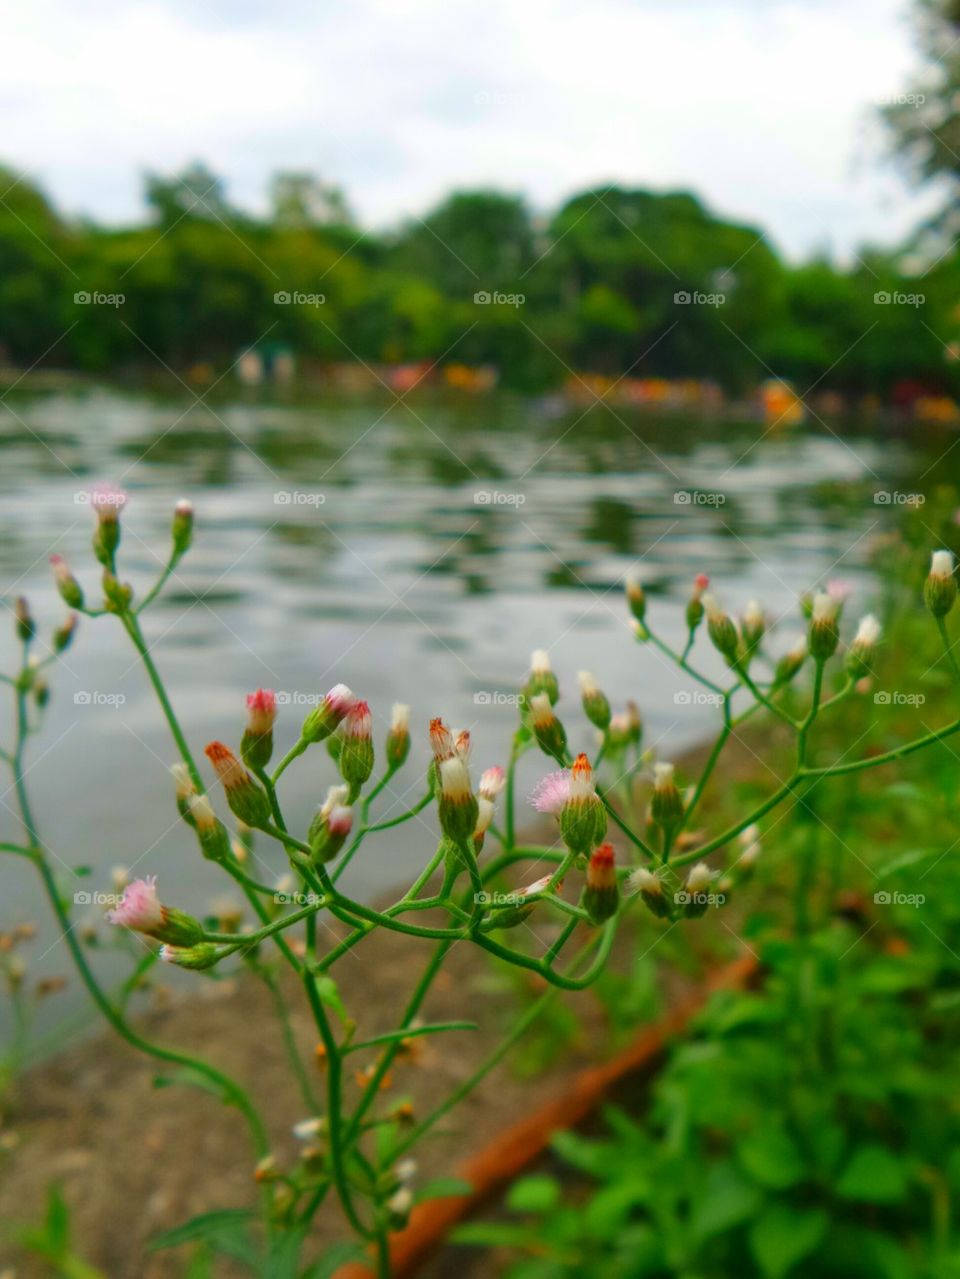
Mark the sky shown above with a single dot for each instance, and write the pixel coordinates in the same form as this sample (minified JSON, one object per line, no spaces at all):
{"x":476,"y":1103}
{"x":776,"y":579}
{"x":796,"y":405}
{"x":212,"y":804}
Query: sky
{"x":763,"y":107}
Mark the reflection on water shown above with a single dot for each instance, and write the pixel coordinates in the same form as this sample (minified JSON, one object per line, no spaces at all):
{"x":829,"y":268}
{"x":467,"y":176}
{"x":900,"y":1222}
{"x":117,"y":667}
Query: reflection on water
{"x":417,"y":554}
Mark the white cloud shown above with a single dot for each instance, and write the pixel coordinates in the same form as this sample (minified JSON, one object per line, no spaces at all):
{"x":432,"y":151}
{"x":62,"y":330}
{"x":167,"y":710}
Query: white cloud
{"x":761,"y":108}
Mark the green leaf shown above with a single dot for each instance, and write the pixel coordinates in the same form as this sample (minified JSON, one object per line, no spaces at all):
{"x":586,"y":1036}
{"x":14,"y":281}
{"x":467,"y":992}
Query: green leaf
{"x":873,"y":1175}
{"x":211,"y":1226}
{"x":782,"y":1236}
{"x":435,"y":1028}
{"x":58,"y":1220}
{"x":725,"y":1200}
{"x":329,"y":993}
{"x":534,"y":1194}
{"x":770,"y":1156}
{"x":444,"y":1188}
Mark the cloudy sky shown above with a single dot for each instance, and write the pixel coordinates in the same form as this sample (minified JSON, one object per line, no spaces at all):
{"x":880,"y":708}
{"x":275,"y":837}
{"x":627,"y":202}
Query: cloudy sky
{"x":762,"y":106}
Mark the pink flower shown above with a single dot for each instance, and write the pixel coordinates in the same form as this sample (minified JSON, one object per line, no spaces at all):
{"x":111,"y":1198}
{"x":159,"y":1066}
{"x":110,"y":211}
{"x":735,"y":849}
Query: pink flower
{"x":262,"y":711}
{"x":700,"y":583}
{"x":107,"y":501}
{"x":552,"y":792}
{"x":339,"y":700}
{"x":358,"y":721}
{"x":838,"y":590}
{"x":492,"y":782}
{"x":139,"y":906}
{"x":339,"y":821}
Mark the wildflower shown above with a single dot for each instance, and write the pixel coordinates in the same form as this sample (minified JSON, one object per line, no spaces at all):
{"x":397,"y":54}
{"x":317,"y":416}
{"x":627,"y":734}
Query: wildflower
{"x":63,"y":635}
{"x":790,"y":663}
{"x":824,"y":634}
{"x":456,"y":804}
{"x":596,"y":707}
{"x":860,"y":652}
{"x":583,"y":819}
{"x":181,"y":530}
{"x":214,"y":841}
{"x":753,"y":626}
{"x":940,"y":588}
{"x":184,"y":789}
{"x":246,"y":798}
{"x":722,"y":630}
{"x":331,"y":826}
{"x":310,"y":1129}
{"x":492,"y":782}
{"x":398,"y":738}
{"x":140,"y":909}
{"x":399,"y":1206}
{"x":70,"y":589}
{"x":356,"y":750}
{"x":256,"y":745}
{"x":520,"y":905}
{"x":625,"y":728}
{"x":107,"y":503}
{"x":695,"y":603}
{"x":547,"y":728}
{"x":461,"y":744}
{"x":650,"y":888}
{"x":694,"y":897}
{"x":601,"y":896}
{"x":666,"y":806}
{"x":203,"y":955}
{"x":323,"y":719}
{"x":636,"y":600}
{"x":26,"y":626}
{"x":441,"y":741}
{"x":541,"y":679}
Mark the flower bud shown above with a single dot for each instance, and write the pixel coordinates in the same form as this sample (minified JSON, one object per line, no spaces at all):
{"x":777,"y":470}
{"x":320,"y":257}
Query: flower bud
{"x":356,"y":748}
{"x":441,"y":741}
{"x":398,"y":738}
{"x":753,"y":627}
{"x":722,"y":630}
{"x":824,"y":634}
{"x":63,"y":635}
{"x":492,"y":782}
{"x":41,"y":692}
{"x":256,"y":745}
{"x":520,"y":906}
{"x":117,"y":594}
{"x":331,"y":826}
{"x":323,"y":719}
{"x":181,"y":529}
{"x":456,"y":803}
{"x":596,"y":707}
{"x":695,"y":895}
{"x":861,"y":651}
{"x":247,"y":799}
{"x":666,"y":806}
{"x":940,"y":588}
{"x":140,"y":909}
{"x":70,"y":589}
{"x":25,"y":625}
{"x":212,"y":834}
{"x":107,"y":503}
{"x":203,"y":955}
{"x":547,"y":728}
{"x":583,"y":819}
{"x":650,"y":888}
{"x":636,"y":600}
{"x":601,"y":896}
{"x":749,"y":841}
{"x":541,"y":678}
{"x":790,"y":663}
{"x":694,"y":613}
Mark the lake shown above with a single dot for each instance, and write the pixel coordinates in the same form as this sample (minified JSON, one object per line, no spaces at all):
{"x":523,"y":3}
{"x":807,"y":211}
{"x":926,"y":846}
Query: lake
{"x":417,"y":552}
